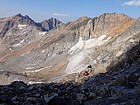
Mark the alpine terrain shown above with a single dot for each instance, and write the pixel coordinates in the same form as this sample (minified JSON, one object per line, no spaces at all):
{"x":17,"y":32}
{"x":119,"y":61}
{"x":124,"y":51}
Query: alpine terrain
{"x":47,"y":60}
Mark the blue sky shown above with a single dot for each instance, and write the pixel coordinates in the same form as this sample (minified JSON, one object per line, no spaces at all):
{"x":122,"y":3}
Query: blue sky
{"x":68,"y":10}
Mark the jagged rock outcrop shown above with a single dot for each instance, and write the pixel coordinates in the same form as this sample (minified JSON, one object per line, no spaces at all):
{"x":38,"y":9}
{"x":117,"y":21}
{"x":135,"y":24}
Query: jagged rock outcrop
{"x":118,"y":87}
{"x":15,"y":22}
{"x":51,"y":23}
{"x":110,"y":24}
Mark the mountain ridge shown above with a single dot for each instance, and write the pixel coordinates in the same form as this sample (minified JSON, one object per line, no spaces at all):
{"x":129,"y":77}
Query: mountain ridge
{"x":48,"y":55}
{"x":51,"y":23}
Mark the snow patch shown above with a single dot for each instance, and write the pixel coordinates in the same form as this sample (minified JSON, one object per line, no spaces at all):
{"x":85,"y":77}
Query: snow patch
{"x":19,"y":44}
{"x":82,"y":51}
{"x":42,"y":33}
{"x":24,"y":33}
{"x":22,"y":54}
{"x":74,"y":64}
{"x":53,"y":55}
{"x":21,"y":26}
{"x":10,"y":49}
{"x":32,"y":71}
{"x":42,"y":51}
{"x":132,"y":40}
{"x":81,"y":44}
{"x":29,"y":68}
{"x":77,"y":61}
{"x":89,"y":21}
{"x":94,"y":42}
{"x":33,"y":82}
{"x":37,"y":70}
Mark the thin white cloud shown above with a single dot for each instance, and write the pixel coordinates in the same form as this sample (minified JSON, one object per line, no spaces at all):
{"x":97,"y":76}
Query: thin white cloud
{"x":60,"y":14}
{"x":132,"y":3}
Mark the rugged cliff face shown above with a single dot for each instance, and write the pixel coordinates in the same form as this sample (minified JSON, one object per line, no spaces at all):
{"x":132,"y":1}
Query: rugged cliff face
{"x":36,"y":55}
{"x":51,"y":23}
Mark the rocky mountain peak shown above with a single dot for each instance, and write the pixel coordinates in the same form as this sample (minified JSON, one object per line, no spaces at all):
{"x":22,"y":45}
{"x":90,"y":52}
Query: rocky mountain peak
{"x":51,"y":23}
{"x":17,"y":22}
{"x":54,"y":19}
{"x":18,"y":15}
{"x":112,"y":14}
{"x":110,"y":24}
{"x":82,"y":18}
{"x":76,"y":24}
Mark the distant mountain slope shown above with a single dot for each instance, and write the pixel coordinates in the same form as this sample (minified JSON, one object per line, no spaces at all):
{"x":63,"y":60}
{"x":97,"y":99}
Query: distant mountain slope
{"x":17,"y":22}
{"x":38,"y":55}
{"x":16,"y":32}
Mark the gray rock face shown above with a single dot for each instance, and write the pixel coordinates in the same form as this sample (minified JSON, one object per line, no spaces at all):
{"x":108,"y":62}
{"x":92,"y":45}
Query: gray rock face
{"x":110,"y":24}
{"x":11,"y":23}
{"x":51,"y":23}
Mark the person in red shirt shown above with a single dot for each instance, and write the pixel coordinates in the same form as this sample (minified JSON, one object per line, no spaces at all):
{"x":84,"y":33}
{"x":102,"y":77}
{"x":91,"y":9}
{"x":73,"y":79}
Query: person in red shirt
{"x":85,"y":73}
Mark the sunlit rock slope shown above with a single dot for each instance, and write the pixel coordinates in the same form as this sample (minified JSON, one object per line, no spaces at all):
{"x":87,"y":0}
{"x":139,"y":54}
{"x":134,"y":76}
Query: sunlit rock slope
{"x":36,"y":53}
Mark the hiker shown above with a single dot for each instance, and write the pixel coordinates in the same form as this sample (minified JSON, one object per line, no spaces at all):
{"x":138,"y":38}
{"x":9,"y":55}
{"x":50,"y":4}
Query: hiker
{"x":85,"y":73}
{"x":89,"y":67}
{"x":90,"y":70}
